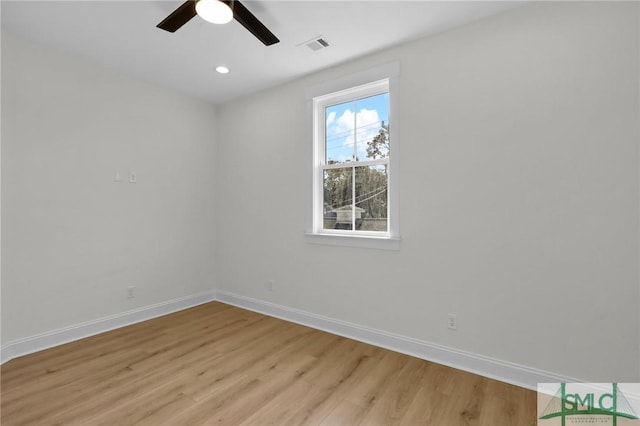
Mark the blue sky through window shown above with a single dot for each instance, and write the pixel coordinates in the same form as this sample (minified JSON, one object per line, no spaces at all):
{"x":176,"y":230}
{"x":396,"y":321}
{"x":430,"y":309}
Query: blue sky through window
{"x":350,"y":125}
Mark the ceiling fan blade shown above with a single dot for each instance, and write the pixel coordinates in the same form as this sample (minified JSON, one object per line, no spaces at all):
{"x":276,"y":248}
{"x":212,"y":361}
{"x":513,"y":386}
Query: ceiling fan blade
{"x":187,"y":10}
{"x":179,"y":17}
{"x":251,"y":23}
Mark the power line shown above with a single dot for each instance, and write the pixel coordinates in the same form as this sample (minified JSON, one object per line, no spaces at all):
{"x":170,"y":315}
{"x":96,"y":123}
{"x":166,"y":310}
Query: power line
{"x":348,"y":202}
{"x":356,"y":130}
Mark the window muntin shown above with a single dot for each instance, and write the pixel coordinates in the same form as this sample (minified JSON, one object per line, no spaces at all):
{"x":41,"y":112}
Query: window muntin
{"x":352,"y":141}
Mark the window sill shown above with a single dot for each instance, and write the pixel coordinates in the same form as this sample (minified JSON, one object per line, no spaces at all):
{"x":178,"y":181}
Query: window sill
{"x":358,"y":241}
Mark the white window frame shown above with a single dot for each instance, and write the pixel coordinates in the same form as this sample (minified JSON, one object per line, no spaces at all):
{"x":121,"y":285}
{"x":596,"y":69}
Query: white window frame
{"x":371,"y":82}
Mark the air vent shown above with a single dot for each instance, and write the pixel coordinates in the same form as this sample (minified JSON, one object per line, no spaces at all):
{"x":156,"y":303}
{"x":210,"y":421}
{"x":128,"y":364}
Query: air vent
{"x":316,"y":43}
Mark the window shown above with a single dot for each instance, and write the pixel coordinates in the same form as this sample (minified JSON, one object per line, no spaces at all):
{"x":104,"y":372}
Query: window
{"x":353,"y":150}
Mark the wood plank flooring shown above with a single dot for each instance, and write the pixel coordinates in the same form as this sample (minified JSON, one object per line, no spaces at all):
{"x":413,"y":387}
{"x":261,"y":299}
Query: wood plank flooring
{"x":220,"y":365}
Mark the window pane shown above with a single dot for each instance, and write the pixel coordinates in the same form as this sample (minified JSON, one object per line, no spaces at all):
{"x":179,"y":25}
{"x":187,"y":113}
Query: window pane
{"x":338,"y":184}
{"x":372,"y":127}
{"x":339,"y":142}
{"x":371,"y":198}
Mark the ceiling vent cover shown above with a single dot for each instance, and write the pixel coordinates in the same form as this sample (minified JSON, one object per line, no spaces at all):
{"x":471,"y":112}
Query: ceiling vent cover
{"x":316,"y":43}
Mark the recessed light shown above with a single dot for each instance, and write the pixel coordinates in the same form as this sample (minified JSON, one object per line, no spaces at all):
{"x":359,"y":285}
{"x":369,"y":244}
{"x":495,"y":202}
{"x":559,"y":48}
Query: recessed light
{"x":222,"y":69}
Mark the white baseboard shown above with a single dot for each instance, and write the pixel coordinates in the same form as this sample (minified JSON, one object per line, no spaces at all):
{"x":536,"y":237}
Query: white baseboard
{"x":485,"y":366}
{"x":79,"y":331}
{"x":504,"y":371}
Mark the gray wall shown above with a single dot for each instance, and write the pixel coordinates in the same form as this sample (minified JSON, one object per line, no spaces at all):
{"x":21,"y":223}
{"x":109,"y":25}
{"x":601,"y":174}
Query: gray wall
{"x":519,"y":195}
{"x":73,"y":239}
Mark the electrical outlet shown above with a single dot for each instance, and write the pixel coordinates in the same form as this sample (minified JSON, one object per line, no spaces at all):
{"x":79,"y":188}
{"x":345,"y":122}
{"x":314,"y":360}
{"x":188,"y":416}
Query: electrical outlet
{"x":131,"y":292}
{"x":270,"y":285}
{"x":452,"y":322}
{"x":133,"y":177}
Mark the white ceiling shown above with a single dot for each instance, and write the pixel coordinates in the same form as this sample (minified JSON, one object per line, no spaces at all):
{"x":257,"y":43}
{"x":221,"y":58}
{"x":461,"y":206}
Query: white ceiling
{"x":122,"y":35}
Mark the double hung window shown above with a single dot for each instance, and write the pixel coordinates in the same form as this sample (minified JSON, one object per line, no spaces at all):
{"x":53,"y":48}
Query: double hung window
{"x":353,"y":164}
{"x":353,"y":168}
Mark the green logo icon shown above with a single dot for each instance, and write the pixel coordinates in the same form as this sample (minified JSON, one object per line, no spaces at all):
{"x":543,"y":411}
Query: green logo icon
{"x":565,"y":404}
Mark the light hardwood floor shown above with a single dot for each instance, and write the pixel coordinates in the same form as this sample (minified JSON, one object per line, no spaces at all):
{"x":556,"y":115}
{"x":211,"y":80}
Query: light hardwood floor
{"x":220,"y":365}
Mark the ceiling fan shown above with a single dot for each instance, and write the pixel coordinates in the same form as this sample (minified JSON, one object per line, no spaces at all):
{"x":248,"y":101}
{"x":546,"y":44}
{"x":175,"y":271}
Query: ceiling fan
{"x":234,"y":8}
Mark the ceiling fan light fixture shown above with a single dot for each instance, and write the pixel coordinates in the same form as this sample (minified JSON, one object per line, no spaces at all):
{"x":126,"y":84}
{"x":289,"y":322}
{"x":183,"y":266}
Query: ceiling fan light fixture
{"x":214,"y":11}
